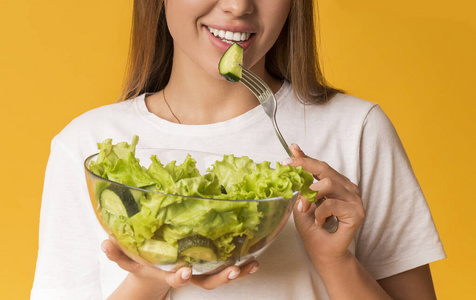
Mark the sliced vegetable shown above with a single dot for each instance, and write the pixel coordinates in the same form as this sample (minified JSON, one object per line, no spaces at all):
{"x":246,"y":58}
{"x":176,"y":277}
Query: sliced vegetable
{"x":158,"y":252}
{"x":197,"y":247}
{"x":229,"y":65}
{"x":118,"y":200}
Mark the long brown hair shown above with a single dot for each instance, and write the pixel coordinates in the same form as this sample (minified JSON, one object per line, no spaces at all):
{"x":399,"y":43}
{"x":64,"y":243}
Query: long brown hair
{"x":293,"y":57}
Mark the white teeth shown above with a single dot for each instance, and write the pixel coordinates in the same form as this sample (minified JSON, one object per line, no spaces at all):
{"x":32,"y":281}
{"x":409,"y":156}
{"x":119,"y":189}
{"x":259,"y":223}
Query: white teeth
{"x":229,"y":36}
{"x":237,"y":36}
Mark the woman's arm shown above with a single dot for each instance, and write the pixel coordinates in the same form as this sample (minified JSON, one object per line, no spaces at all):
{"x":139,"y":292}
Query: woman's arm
{"x":346,"y":278}
{"x":142,"y":282}
{"x":341,"y":272}
{"x":134,"y":287}
{"x":412,"y":284}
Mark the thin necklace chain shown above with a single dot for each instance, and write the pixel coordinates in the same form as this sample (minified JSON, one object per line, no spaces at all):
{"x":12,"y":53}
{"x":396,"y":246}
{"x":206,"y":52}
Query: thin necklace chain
{"x":165,"y":99}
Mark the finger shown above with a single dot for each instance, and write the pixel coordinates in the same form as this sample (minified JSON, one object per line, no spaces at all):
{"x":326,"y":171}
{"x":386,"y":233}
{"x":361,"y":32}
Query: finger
{"x":210,"y":282}
{"x":250,"y":268}
{"x":304,"y":218}
{"x":316,"y":167}
{"x":114,"y":254}
{"x":302,"y":204}
{"x":179,"y":278}
{"x":319,"y":169}
{"x":350,"y":214}
{"x":332,"y":188}
{"x":296,"y":151}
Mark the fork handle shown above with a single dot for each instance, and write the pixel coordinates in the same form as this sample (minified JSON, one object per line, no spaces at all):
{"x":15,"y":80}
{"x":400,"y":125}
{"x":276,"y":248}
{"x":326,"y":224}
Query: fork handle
{"x":281,"y":139}
{"x":332,"y":222}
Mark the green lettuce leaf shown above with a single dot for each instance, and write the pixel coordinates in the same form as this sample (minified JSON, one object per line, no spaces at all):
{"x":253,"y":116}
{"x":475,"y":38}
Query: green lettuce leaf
{"x":243,"y":179}
{"x":118,"y":163}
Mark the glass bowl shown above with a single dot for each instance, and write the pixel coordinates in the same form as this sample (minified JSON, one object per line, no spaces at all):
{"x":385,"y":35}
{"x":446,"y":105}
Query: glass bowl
{"x":204,"y":234}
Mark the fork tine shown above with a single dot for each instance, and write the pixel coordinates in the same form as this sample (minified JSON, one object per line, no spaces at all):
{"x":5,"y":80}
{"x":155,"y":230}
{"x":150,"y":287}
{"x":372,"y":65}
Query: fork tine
{"x":251,"y":85}
{"x":258,"y":81}
{"x":259,"y":88}
{"x":255,"y":85}
{"x":251,"y":80}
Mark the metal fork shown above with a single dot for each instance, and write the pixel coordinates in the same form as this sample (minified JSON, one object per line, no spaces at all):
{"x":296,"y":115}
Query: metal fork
{"x":266,"y":97}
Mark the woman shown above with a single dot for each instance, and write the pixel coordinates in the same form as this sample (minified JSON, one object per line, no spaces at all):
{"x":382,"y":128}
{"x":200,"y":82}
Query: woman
{"x":177,"y":99}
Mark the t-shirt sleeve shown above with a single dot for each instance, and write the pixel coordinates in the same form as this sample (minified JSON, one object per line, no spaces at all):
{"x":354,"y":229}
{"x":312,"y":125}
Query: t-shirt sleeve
{"x":398,"y":233}
{"x":67,"y":265}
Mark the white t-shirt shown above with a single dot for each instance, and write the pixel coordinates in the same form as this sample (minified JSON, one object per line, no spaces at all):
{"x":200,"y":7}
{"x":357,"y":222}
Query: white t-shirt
{"x":352,"y":135}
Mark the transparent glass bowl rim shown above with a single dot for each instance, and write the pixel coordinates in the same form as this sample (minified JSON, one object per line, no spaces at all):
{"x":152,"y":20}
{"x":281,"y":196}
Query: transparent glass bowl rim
{"x":89,"y":158}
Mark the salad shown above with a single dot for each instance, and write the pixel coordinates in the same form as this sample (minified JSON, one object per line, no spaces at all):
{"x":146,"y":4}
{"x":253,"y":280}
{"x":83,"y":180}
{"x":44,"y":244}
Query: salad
{"x":167,"y":213}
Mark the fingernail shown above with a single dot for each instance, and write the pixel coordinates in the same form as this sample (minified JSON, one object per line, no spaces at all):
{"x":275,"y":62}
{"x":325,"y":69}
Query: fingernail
{"x":300,"y":206}
{"x":287,"y":161}
{"x":104,"y":249}
{"x":313,"y":188}
{"x":296,"y":146}
{"x":254,"y":269}
{"x":186,"y":274}
{"x":233,"y":274}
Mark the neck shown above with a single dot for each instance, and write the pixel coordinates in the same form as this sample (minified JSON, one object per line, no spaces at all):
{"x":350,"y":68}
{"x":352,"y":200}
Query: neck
{"x":195,"y":97}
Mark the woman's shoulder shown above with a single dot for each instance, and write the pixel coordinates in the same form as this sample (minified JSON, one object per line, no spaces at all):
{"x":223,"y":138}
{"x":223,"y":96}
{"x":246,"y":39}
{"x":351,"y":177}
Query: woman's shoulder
{"x":101,"y":116}
{"x":362,"y":114}
{"x":114,"y":112}
{"x":106,"y":112}
{"x":95,"y":125}
{"x":340,"y":108}
{"x":339,"y":103}
{"x":348,"y":105}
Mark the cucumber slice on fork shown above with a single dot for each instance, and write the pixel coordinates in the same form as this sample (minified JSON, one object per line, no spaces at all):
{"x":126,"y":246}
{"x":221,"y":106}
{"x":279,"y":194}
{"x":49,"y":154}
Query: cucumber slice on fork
{"x":229,"y":65}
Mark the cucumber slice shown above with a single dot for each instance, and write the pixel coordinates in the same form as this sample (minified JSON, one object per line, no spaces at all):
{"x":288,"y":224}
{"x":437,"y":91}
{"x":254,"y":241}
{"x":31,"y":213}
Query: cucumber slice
{"x":158,"y":252}
{"x":118,"y":200}
{"x":200,"y":253}
{"x":197,"y":247}
{"x":229,"y":65}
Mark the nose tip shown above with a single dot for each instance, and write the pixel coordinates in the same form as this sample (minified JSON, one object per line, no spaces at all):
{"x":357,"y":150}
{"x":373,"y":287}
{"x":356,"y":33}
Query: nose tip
{"x":237,"y":7}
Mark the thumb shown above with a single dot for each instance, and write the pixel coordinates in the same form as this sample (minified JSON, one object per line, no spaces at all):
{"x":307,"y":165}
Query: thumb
{"x":179,"y":278}
{"x":296,"y":151}
{"x":302,"y":218}
{"x":114,"y":254}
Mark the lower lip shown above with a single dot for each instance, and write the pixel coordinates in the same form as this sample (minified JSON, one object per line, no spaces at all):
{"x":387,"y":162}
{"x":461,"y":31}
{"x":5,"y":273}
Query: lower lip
{"x":222,"y":46}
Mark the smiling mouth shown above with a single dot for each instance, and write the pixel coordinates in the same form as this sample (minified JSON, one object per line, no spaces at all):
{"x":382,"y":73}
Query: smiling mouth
{"x":230,"y":37}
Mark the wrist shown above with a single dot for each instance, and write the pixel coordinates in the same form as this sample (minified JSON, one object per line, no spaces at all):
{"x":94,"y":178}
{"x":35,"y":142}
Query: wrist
{"x":332,"y":262}
{"x":345,"y":278}
{"x":138,"y":287}
{"x":151,"y":284}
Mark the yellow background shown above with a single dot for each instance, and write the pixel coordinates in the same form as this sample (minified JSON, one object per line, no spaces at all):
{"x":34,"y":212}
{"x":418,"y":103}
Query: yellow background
{"x":60,"y":58}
